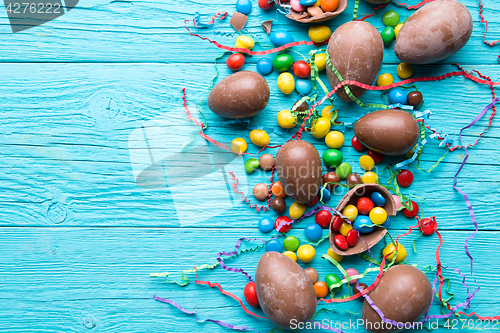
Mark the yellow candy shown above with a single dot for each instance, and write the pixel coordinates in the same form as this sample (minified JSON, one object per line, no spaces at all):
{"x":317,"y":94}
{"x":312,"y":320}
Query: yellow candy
{"x":320,"y":61}
{"x":244,"y":42}
{"x":385,"y":79}
{"x":306,"y":253}
{"x":404,"y":70}
{"x":259,"y":137}
{"x":318,"y":3}
{"x":291,"y":255}
{"x":286,"y":83}
{"x":239,"y":145}
{"x":321,"y":128}
{"x":345,"y":228}
{"x":369,"y":178}
{"x":285,"y":119}
{"x":319,"y":33}
{"x":334,"y":139}
{"x":351,"y":212}
{"x":327,"y":112}
{"x":296,"y":210}
{"x":397,"y":28}
{"x":391,"y":248}
{"x":337,"y":257}
{"x":378,"y":215}
{"x":366,"y":162}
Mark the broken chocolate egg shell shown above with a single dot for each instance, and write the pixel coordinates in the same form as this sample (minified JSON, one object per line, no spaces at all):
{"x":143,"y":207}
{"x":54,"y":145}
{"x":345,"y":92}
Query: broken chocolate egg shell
{"x":351,"y":198}
{"x":304,"y":16}
{"x":285,"y":292}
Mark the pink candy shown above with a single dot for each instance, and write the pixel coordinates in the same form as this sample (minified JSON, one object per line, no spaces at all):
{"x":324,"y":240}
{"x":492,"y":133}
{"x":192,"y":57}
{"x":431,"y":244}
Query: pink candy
{"x":297,"y":6}
{"x":351,"y":272}
{"x":398,"y":202}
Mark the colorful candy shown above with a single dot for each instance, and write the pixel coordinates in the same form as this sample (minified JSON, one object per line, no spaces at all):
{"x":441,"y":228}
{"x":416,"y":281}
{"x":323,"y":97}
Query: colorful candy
{"x":366,"y":162}
{"x":266,"y":224}
{"x":244,"y":6}
{"x":266,"y":4}
{"x":291,"y":255}
{"x":356,"y":144}
{"x":332,"y":157}
{"x":323,"y":218}
{"x":350,"y":212}
{"x":378,"y":215}
{"x":344,"y":170}
{"x":327,"y":112}
{"x":239,"y":145}
{"x":264,"y":66}
{"x":296,"y":6}
{"x":352,"y":237}
{"x":250,"y":294}
{"x":303,"y":86}
{"x":428,"y":225}
{"x":285,"y":119}
{"x":259,"y":137}
{"x":405,"y":178}
{"x":260,"y":191}
{"x":378,"y":199}
{"x":327,"y":196}
{"x":286,"y":83}
{"x":332,"y":279}
{"x":244,"y":42}
{"x":332,"y":254}
{"x":369,"y":178}
{"x":274,"y":245}
{"x":321,"y":128}
{"x":283,"y":224}
{"x":306,"y":253}
{"x":266,"y":162}
{"x":390,"y":18}
{"x":297,"y":210}
{"x":320,"y":61}
{"x":337,"y":223}
{"x":385,"y":79}
{"x":413,"y":212}
{"x":363,"y":224}
{"x":235,"y":61}
{"x":330,"y":179}
{"x":364,"y":205}
{"x":397,"y":95}
{"x":278,"y":190}
{"x":313,"y":201}
{"x":377,"y":157}
{"x":353,"y":179}
{"x":321,"y":289}
{"x":313,"y":232}
{"x":345,"y":228}
{"x":329,"y":5}
{"x":283,"y":62}
{"x":391,"y":249}
{"x":414,"y":98}
{"x":291,"y":243}
{"x":301,"y":69}
{"x":397,"y":29}
{"x":387,"y":223}
{"x":319,"y":33}
{"x":312,"y":274}
{"x":404,"y":70}
{"x":280,"y":37}
{"x":388,"y":35}
{"x":278,"y":205}
{"x":334,"y":139}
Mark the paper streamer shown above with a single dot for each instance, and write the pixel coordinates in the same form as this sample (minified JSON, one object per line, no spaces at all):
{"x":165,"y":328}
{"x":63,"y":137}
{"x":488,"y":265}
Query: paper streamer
{"x":236,"y":249}
{"x":413,"y":6}
{"x":485,"y":26}
{"x":373,"y":12}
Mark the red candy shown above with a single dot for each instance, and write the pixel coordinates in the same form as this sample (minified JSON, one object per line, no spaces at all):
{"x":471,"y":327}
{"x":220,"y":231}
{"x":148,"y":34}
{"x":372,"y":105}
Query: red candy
{"x":413,"y":212}
{"x":282,"y":220}
{"x":236,"y":61}
{"x":251,"y":294}
{"x":405,"y":178}
{"x":337,"y":223}
{"x":341,"y":242}
{"x":356,"y":144}
{"x":377,"y":157}
{"x":313,"y":201}
{"x":352,"y":237}
{"x":266,"y":4}
{"x":364,"y":205}
{"x":323,"y":218}
{"x":428,"y":225}
{"x":301,"y":69}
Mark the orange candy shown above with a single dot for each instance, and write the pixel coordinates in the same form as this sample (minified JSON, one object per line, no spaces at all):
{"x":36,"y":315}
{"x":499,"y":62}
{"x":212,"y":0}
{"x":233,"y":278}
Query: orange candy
{"x":321,"y":288}
{"x":278,"y":190}
{"x":329,"y":5}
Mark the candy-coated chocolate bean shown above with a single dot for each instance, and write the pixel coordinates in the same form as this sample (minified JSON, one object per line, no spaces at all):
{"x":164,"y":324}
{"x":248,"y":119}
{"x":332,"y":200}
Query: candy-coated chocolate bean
{"x":341,"y":242}
{"x":303,"y":86}
{"x":404,"y":70}
{"x":332,"y":254}
{"x":301,"y":69}
{"x":428,"y":225}
{"x":353,"y":179}
{"x":291,"y":255}
{"x":345,"y":228}
{"x":385,"y":79}
{"x":300,"y":106}
{"x":307,"y":3}
{"x":244,"y":6}
{"x":352,"y":237}
{"x":362,"y":286}
{"x":397,"y":201}
{"x":283,"y":224}
{"x":296,"y":6}
{"x":334,"y":139}
{"x":337,"y":223}
{"x":351,"y":272}
{"x":323,"y":218}
{"x":378,"y":215}
{"x":388,"y":35}
{"x":313,"y":201}
{"x":259,"y":137}
{"x":369,"y":178}
{"x":414,"y":98}
{"x":366,"y":162}
{"x":329,"y":5}
{"x":266,"y":4}
{"x":321,"y":289}
{"x":327,"y":112}
{"x":397,"y":95}
{"x":244,"y":42}
{"x":291,"y":243}
{"x":265,"y":66}
{"x":250,"y":294}
{"x":278,"y":205}
{"x":251,"y":164}
{"x":405,"y":178}
{"x":266,"y":224}
{"x":286,"y":83}
{"x":313,"y":232}
{"x":283,"y":62}
{"x":363,"y":224}
{"x":356,"y":144}
{"x":296,"y":210}
{"x":235,"y":61}
{"x":332,"y":279}
{"x":280,"y":37}
{"x":319,"y":33}
{"x":285,"y":119}
{"x":377,"y":157}
{"x":321,"y":128}
{"x":390,"y":18}
{"x":397,"y":29}
{"x":260,"y":191}
{"x":378,"y":199}
{"x":312,"y":274}
{"x":364,"y":205}
{"x":266,"y":162}
{"x":274,"y":245}
{"x":278,"y":190}
{"x":306,"y":253}
{"x":327,"y":196}
{"x":315,"y":10}
{"x":331,"y":177}
{"x":320,"y":61}
{"x":387,"y":223}
{"x":332,"y":157}
{"x":391,"y":249}
{"x":239,"y":145}
{"x":344,"y":170}
{"x":350,"y":212}
{"x":413,"y":212}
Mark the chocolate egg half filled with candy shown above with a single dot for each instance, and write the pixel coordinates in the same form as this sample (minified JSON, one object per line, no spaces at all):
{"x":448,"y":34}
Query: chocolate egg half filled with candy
{"x":356,"y":51}
{"x":240,"y":95}
{"x":390,"y":132}
{"x":434,"y":32}
{"x":298,"y":166}
{"x":285,"y":292}
{"x":403,"y":294}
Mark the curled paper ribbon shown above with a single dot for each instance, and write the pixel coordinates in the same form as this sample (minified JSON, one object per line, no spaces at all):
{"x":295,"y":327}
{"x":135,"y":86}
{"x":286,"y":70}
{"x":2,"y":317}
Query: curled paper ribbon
{"x":236,"y":250}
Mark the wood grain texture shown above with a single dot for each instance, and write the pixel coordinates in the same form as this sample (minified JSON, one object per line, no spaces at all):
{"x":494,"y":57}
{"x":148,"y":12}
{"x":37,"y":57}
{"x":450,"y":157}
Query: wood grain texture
{"x":92,"y":99}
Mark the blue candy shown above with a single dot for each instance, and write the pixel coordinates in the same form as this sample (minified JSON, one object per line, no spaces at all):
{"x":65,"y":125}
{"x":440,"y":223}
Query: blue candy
{"x":387,"y":223}
{"x":274,"y":245}
{"x":281,"y":37}
{"x":307,"y":3}
{"x":326,"y":195}
{"x":244,"y":6}
{"x":378,"y":199}
{"x":264,"y":66}
{"x":303,"y":86}
{"x":313,"y":231}
{"x":266,"y":224}
{"x":361,"y":224}
{"x":397,"y":95}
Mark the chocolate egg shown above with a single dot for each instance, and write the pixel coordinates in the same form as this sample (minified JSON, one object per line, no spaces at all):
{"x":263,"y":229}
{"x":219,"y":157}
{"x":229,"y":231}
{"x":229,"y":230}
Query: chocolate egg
{"x":403,"y":294}
{"x":356,"y":50}
{"x":240,"y":95}
{"x":285,"y":292}
{"x":390,"y":132}
{"x":434,"y":32}
{"x":298,"y":166}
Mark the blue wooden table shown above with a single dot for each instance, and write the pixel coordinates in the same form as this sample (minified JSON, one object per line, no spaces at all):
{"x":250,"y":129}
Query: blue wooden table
{"x":91,"y":103}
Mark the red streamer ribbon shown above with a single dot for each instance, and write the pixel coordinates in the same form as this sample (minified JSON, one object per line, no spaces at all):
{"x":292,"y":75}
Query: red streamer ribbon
{"x":485,"y":26}
{"x":413,"y":6}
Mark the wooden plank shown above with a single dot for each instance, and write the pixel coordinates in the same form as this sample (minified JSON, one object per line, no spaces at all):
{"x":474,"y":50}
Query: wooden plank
{"x":152,"y":31}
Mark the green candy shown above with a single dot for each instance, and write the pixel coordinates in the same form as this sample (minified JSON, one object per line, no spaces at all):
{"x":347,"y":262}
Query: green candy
{"x":332,"y":279}
{"x":251,"y":164}
{"x":332,"y":157}
{"x":291,"y":243}
{"x":344,"y":170}
{"x":283,"y":62}
{"x":390,"y":18}
{"x":388,"y":35}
